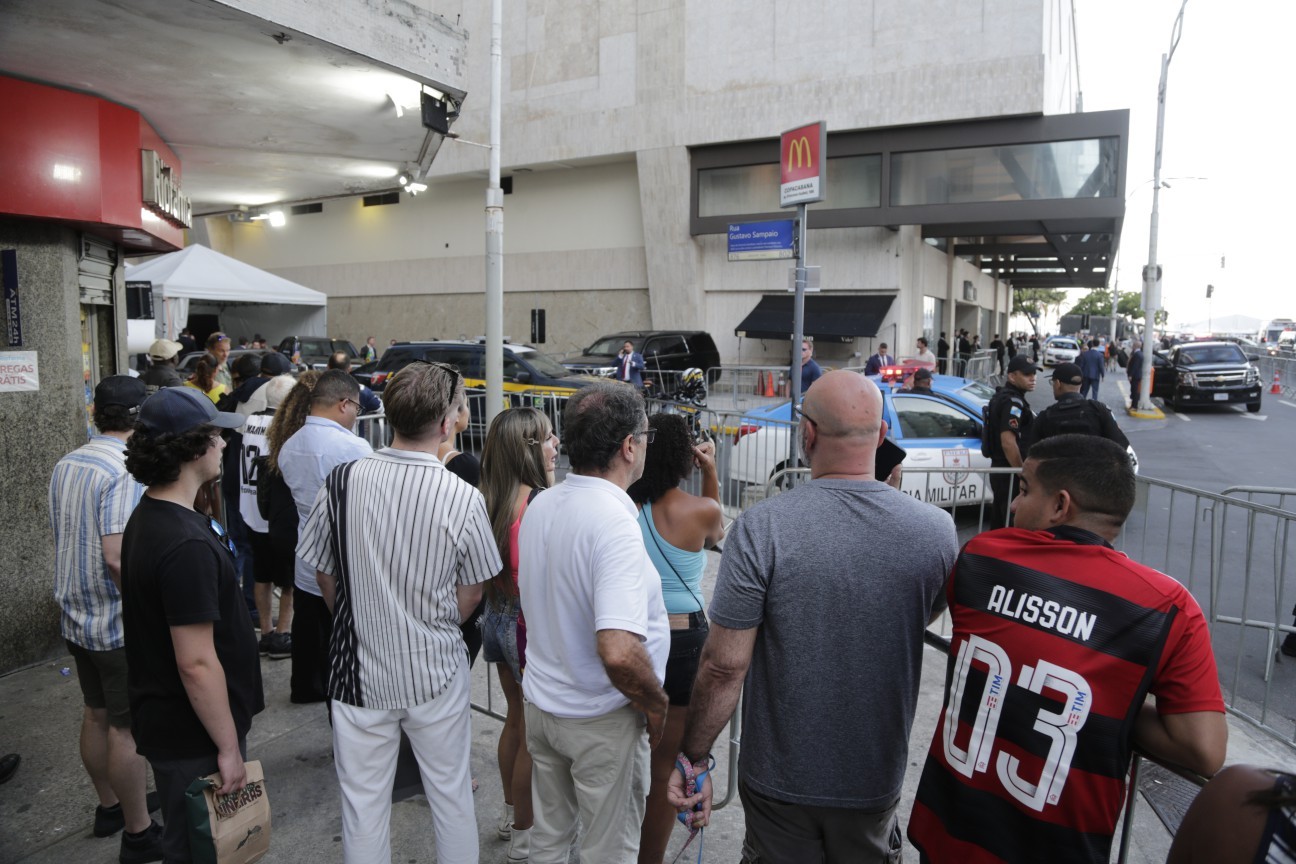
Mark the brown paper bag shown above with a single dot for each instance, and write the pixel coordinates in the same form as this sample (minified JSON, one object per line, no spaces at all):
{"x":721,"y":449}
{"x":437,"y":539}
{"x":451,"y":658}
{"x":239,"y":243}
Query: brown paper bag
{"x":229,"y":829}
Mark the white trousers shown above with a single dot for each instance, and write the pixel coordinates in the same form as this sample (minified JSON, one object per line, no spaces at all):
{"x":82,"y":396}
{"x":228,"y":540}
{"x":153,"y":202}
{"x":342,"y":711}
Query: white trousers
{"x":366,"y":742}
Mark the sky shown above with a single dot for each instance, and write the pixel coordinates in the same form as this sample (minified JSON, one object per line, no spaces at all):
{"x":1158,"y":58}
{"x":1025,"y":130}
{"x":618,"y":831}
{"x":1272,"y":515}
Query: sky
{"x":1228,"y":119}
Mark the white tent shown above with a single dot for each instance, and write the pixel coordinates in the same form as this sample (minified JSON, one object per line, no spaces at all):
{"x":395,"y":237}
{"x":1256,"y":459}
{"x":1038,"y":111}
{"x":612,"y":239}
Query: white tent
{"x":247,"y":300}
{"x":1237,"y":324}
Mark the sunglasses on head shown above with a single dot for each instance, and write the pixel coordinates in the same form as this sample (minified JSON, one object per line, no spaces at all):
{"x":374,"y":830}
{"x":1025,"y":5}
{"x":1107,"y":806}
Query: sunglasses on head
{"x":445,"y":367}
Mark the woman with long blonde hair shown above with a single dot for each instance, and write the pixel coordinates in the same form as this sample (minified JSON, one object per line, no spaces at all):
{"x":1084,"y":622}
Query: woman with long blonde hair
{"x":518,"y":461}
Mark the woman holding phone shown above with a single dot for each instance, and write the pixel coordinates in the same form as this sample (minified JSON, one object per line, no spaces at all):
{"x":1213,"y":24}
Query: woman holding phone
{"x":677,"y":529}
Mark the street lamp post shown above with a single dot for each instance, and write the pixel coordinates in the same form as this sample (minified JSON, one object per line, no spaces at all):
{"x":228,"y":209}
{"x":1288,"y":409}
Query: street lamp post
{"x":1152,"y":273}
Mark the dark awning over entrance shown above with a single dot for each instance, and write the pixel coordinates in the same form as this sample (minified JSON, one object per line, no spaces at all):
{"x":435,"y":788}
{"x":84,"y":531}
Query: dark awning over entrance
{"x":828,"y":317}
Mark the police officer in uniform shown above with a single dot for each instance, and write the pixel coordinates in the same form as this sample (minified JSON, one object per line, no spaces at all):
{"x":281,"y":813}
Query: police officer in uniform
{"x":1010,"y":416}
{"x":1073,"y":413}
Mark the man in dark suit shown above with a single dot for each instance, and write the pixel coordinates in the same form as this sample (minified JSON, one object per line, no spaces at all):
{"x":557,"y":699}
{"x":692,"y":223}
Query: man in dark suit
{"x":630,"y":366}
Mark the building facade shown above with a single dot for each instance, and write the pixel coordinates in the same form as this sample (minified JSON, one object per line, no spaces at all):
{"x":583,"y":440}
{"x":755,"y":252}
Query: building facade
{"x":610,"y":112}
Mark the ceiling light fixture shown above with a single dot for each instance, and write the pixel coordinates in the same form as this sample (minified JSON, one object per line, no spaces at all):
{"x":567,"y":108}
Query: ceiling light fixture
{"x":416,"y":188}
{"x":276,"y":218}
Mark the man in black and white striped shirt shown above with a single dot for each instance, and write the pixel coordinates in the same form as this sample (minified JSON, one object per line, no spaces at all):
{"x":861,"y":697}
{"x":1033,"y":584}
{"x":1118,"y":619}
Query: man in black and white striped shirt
{"x":401,"y":548}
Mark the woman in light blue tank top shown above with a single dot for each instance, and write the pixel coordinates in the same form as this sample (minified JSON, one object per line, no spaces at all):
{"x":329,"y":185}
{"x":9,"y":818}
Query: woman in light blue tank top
{"x":677,"y":529}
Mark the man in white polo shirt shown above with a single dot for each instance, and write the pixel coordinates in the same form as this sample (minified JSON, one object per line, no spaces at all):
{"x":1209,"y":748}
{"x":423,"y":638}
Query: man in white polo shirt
{"x":597,"y":637}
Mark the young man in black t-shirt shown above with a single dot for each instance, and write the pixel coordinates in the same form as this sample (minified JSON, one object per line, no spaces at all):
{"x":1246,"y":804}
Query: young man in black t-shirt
{"x":194,"y":677}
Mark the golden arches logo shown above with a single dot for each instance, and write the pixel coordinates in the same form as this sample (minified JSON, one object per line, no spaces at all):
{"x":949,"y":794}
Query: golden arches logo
{"x":799,"y":154}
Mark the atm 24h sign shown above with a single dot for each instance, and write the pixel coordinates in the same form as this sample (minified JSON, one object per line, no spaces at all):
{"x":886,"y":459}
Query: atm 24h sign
{"x":802,"y":170}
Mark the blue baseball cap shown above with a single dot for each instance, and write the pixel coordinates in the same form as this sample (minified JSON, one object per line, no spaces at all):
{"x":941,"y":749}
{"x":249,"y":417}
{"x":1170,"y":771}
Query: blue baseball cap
{"x":176,"y":410}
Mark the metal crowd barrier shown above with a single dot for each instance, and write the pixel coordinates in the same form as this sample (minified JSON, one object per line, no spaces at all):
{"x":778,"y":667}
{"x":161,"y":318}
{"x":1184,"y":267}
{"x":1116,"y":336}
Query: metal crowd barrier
{"x":744,"y":387}
{"x":1284,"y":368}
{"x":1236,"y":558}
{"x":373,"y":428}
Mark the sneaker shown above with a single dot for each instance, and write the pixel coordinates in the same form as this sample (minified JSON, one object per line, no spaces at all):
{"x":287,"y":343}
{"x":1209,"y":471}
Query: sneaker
{"x":142,"y":848}
{"x":504,"y":829}
{"x":519,"y":846}
{"x":109,"y":820}
{"x":279,"y":646}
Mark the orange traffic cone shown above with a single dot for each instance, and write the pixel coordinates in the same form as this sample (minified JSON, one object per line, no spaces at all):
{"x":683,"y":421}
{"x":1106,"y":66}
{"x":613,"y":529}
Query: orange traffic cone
{"x":760,"y":385}
{"x":1276,"y":389}
{"x":769,"y":384}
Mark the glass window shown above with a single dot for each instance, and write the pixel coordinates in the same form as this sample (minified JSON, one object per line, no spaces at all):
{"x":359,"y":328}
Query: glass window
{"x":666,"y":345}
{"x":853,"y":181}
{"x":467,"y":360}
{"x":933,"y":318}
{"x":1019,"y":172}
{"x":923,"y":417}
{"x":1211,"y":354}
{"x":544,"y":364}
{"x":611,"y":345}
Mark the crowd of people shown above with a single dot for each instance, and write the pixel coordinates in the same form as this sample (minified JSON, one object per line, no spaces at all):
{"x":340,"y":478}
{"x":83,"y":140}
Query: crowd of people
{"x":617,"y":675}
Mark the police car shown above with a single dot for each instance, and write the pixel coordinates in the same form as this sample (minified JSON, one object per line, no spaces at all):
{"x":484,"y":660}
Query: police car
{"x":940,"y":431}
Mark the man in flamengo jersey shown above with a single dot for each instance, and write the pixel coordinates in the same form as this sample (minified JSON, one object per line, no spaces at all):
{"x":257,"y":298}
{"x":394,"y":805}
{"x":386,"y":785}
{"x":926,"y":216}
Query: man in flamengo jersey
{"x":1058,"y":640}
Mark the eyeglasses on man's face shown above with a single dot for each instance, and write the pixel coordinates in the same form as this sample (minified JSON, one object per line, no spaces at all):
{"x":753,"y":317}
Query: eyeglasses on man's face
{"x":359,"y":408}
{"x":799,"y":412}
{"x":650,"y":433}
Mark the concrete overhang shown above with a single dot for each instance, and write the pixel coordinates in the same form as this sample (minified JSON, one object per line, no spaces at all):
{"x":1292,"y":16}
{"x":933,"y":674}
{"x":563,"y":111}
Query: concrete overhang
{"x":263,"y":102}
{"x":1037,"y":201}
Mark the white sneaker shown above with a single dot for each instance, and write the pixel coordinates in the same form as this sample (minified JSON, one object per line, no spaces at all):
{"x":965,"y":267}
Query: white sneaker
{"x":519,"y":846}
{"x":504,"y":830}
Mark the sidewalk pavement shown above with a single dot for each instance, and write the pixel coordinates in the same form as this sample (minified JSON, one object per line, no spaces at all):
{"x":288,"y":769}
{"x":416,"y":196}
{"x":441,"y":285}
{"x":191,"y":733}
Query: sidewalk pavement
{"x":47,"y":809}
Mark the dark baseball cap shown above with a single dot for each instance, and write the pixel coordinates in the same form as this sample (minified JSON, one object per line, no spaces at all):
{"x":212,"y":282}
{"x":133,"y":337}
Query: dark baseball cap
{"x":122,"y":390}
{"x":1021,"y":363}
{"x":275,"y":363}
{"x":176,"y":410}
{"x":1067,"y":373}
{"x":923,"y":374}
{"x":247,"y":366}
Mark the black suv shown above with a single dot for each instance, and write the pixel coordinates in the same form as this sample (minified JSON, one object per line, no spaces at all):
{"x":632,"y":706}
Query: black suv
{"x":664,"y":351}
{"x":527,"y":373}
{"x":314,"y":352}
{"x":526,"y":370}
{"x":1206,"y":373}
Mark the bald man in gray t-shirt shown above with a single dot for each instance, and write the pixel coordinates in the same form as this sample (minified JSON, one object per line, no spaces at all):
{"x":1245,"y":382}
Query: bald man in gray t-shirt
{"x":822,"y":599}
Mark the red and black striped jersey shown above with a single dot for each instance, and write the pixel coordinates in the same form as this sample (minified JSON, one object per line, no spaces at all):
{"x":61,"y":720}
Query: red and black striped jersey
{"x":1058,"y":639}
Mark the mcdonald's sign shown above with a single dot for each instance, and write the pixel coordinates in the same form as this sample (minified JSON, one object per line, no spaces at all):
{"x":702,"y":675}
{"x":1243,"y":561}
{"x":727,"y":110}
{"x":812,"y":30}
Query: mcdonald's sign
{"x":802,"y":172}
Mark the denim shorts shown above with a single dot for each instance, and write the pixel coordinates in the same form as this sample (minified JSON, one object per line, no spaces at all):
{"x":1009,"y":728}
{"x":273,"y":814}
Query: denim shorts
{"x":682,"y":662}
{"x":499,"y":637}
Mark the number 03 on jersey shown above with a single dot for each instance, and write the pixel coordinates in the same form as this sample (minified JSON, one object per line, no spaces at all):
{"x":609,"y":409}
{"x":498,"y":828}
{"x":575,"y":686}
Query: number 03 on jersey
{"x":1059,"y":727}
